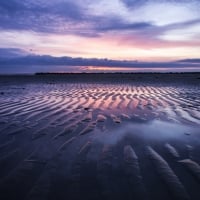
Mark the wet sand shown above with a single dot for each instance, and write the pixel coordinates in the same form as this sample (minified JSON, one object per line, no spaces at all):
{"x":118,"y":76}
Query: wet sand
{"x":100,"y":136}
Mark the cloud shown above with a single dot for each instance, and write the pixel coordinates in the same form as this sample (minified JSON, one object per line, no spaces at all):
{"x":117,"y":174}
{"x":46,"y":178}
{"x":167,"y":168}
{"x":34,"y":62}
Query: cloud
{"x":194,"y":61}
{"x":94,"y":18}
{"x":71,"y":61}
{"x":67,"y":16}
{"x":39,"y":16}
{"x":115,"y":28}
{"x":133,"y":3}
{"x":11,"y":6}
{"x":12,"y":53}
{"x":64,"y":17}
{"x":13,"y":60}
{"x":117,"y":24}
{"x":185,"y":32}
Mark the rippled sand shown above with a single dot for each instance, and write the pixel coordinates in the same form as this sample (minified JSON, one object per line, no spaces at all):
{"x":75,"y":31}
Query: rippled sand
{"x":82,"y":140}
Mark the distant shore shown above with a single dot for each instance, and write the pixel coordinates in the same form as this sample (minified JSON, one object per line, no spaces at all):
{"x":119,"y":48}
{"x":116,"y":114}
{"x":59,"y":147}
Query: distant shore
{"x":131,"y":78}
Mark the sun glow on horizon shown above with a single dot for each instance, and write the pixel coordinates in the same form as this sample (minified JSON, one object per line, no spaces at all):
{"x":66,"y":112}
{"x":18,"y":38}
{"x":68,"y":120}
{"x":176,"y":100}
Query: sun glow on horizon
{"x":97,"y":47}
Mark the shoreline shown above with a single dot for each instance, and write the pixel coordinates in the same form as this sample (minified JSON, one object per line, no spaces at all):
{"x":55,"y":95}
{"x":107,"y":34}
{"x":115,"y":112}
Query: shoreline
{"x":122,"y":78}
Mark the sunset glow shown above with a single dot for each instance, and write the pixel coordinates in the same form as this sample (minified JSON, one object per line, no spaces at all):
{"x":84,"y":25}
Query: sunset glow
{"x":148,"y":31}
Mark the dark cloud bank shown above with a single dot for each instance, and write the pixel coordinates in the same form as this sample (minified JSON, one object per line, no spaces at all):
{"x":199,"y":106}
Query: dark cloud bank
{"x":30,"y":63}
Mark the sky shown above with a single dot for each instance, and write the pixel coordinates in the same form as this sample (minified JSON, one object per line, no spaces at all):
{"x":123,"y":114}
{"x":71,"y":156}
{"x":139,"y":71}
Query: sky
{"x":149,"y":31}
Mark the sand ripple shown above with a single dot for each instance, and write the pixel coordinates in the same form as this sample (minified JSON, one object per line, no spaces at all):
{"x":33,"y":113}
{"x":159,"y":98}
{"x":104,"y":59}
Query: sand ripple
{"x":55,"y":142}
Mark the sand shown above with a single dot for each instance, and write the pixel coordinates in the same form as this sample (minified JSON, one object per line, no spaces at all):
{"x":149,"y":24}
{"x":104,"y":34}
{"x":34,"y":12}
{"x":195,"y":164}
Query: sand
{"x":99,"y":136}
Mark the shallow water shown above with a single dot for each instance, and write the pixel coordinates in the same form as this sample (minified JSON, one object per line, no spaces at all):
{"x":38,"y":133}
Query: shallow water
{"x":93,"y":141}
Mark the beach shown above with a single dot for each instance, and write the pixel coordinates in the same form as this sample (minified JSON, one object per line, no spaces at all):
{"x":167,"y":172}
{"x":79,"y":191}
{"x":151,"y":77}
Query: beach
{"x":100,"y":136}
